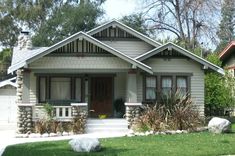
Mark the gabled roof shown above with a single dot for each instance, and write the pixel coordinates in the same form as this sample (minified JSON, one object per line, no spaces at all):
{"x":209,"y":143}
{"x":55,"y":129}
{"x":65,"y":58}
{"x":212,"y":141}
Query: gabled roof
{"x":127,"y":29}
{"x":80,"y":35}
{"x":8,"y":82}
{"x":227,"y":50}
{"x":183,"y":51}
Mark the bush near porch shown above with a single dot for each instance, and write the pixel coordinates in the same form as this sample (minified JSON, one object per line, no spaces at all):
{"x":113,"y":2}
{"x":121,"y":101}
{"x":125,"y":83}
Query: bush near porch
{"x":195,"y":144}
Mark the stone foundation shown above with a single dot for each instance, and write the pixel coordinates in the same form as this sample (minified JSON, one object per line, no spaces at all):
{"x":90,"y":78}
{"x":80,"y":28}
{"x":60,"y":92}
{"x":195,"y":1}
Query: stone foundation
{"x":132,"y":113}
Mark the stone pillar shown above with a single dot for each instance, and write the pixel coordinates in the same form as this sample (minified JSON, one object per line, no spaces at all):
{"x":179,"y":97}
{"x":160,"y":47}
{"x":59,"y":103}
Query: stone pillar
{"x":24,"y":114}
{"x":131,"y":86}
{"x":80,"y":109}
{"x":19,"y":83}
{"x":24,"y":123}
{"x":132,"y":113}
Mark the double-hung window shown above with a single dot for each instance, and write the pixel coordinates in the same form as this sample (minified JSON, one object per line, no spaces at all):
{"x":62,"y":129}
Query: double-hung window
{"x":166,"y":86}
{"x":181,"y":84}
{"x":163,"y":86}
{"x":151,"y":85}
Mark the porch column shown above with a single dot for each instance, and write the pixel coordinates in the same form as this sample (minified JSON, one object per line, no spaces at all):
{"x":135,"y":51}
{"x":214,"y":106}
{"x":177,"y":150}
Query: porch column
{"x":132,"y":106}
{"x":24,"y":111}
{"x":131,"y":95}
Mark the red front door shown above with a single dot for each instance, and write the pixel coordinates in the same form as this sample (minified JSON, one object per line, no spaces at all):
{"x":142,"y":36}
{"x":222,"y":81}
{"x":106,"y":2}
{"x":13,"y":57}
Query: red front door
{"x":101,"y":96}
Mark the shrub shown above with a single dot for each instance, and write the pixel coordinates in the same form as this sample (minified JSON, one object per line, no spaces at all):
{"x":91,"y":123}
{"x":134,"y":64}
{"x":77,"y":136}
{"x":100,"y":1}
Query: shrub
{"x":175,"y":112}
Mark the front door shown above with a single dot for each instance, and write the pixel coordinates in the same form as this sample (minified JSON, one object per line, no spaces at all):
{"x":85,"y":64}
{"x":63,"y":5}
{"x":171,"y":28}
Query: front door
{"x":101,"y":96}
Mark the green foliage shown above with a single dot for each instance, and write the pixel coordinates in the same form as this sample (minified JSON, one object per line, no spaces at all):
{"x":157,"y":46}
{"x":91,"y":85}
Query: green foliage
{"x":214,"y":58}
{"x":65,"y":21}
{"x":219,"y":92}
{"x":137,"y":22}
{"x":5,"y":56}
{"x":48,"y":108}
{"x":50,"y":20}
{"x":226,"y":26}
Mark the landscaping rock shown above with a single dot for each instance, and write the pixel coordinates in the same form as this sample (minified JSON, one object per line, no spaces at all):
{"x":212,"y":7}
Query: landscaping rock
{"x":219,"y":125}
{"x":65,"y":133}
{"x":45,"y":135}
{"x":34,"y":135}
{"x":53,"y":134}
{"x":85,"y":144}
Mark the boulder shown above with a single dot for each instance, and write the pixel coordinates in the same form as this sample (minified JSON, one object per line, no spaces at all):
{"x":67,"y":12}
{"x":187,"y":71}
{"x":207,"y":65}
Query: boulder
{"x":219,"y":125}
{"x":85,"y":144}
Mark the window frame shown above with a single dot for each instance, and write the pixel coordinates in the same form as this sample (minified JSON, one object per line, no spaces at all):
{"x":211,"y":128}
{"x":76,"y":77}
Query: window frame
{"x":187,"y":84}
{"x":145,"y":88}
{"x":172,"y":83}
{"x":48,"y":87}
{"x":159,"y":76}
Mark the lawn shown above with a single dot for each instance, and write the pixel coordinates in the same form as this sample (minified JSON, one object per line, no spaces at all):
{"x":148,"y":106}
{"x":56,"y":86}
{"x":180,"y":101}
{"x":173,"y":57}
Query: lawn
{"x":181,"y":144}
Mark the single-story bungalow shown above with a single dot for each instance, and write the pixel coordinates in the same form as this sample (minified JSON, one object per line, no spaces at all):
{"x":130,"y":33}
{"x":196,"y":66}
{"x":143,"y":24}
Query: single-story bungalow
{"x":94,"y":69}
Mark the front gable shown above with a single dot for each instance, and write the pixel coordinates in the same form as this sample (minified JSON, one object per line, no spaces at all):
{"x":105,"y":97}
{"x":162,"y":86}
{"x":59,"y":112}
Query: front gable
{"x":173,"y":50}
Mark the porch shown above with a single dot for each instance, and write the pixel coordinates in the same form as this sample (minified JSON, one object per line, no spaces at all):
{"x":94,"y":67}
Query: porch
{"x":103,"y":93}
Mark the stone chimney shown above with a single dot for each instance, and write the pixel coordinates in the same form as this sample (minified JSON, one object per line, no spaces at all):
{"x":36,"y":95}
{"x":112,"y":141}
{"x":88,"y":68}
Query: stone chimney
{"x":24,"y":41}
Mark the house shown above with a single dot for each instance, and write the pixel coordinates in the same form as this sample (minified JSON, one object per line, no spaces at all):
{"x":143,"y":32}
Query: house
{"x":7,"y":102}
{"x":227,"y":56}
{"x":93,"y":69}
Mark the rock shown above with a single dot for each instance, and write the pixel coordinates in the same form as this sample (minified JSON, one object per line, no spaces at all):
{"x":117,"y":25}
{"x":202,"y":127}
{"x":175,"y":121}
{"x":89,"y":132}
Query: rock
{"x":53,"y":134}
{"x":45,"y":135}
{"x":219,"y":125}
{"x":178,"y":132}
{"x":65,"y":133}
{"x":85,"y":144}
{"x":34,"y":135}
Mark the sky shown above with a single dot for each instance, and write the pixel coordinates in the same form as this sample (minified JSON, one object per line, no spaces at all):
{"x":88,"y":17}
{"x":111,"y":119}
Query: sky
{"x":118,"y":8}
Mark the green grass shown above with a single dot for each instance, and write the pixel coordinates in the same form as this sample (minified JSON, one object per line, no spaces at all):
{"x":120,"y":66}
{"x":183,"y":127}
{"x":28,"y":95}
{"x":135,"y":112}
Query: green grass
{"x":182,"y":144}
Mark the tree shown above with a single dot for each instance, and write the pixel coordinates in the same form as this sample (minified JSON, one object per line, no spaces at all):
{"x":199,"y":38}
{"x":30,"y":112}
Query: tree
{"x":137,"y":22}
{"x":36,"y":14}
{"x":188,"y":20}
{"x":67,"y":20}
{"x":226,"y":26}
{"x":219,"y":90}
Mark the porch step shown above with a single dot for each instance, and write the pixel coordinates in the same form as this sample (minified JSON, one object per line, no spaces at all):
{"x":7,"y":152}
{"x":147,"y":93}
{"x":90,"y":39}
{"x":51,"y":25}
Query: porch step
{"x":106,"y":126}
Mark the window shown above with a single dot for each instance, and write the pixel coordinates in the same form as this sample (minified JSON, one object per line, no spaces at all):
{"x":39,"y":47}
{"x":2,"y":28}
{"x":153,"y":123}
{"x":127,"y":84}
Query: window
{"x":166,"y":85}
{"x":181,"y":84}
{"x":55,"y":89}
{"x":60,"y":88}
{"x":150,"y":93}
{"x":42,"y":90}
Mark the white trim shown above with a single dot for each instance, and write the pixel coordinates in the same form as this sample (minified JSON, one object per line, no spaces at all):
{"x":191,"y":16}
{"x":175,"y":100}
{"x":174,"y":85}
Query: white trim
{"x":182,"y":51}
{"x":79,"y":104}
{"x":8,"y":82}
{"x":132,"y":104}
{"x":25,"y":104}
{"x":126,"y":28}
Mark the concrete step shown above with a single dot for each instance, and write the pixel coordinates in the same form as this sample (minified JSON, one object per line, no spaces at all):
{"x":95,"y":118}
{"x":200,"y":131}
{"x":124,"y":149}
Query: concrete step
{"x":106,"y":126}
{"x":106,"y":121}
